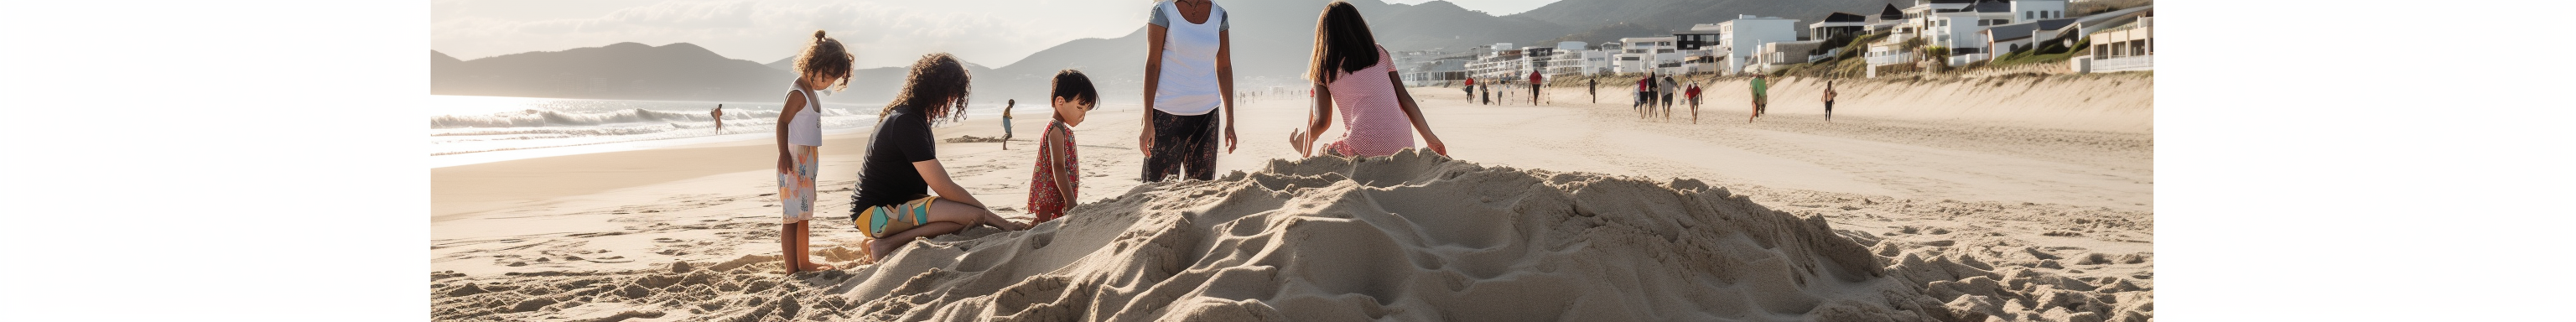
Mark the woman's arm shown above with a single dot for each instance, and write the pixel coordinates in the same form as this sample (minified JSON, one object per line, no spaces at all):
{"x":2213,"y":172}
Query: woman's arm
{"x":937,"y":177}
{"x":786,"y":114}
{"x":1153,"y":80}
{"x":1411,"y":111}
{"x":1318,"y":119}
{"x":1225,"y":82}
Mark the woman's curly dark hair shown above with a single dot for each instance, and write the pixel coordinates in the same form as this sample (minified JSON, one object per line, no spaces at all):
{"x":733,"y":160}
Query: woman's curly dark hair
{"x":937,"y":88}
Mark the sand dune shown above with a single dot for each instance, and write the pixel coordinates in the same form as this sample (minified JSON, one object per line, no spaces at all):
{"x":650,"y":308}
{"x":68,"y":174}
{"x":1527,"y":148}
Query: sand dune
{"x":1409,"y":237}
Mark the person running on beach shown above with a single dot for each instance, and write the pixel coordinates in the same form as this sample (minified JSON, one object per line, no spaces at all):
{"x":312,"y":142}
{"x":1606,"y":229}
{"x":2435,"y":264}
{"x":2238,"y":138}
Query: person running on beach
{"x":1761,"y":96}
{"x":1057,"y":180}
{"x":824,"y":65}
{"x":892,"y":202}
{"x":1189,"y":74}
{"x":1829,"y":101}
{"x":1353,"y":73}
{"x":1692,"y":95}
{"x":718,"y":115}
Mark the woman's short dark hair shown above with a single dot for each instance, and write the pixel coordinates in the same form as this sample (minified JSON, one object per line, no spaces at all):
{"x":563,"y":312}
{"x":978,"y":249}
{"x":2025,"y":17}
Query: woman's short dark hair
{"x":937,"y":88}
{"x":1073,"y":86}
{"x":1343,"y":43}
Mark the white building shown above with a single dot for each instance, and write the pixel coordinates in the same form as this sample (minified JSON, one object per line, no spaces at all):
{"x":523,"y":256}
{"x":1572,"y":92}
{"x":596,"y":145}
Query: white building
{"x":1574,"y":58}
{"x":2125,"y":48}
{"x":2036,"y":10}
{"x":1643,"y":54}
{"x":1738,"y":39}
{"x":2006,"y":39}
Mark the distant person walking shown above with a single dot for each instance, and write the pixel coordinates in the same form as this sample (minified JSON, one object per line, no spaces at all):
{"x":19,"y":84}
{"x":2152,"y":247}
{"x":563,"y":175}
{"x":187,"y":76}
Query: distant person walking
{"x":1692,"y":95}
{"x":1829,"y":101}
{"x":1486,"y":91}
{"x":1471,"y":90}
{"x":1006,"y":121}
{"x":1352,"y":73}
{"x":1761,"y":96}
{"x":1665,"y":90}
{"x":718,"y":114}
{"x":1535,"y":80}
{"x":1189,"y":72}
{"x":1592,"y":89}
{"x":1645,"y":95}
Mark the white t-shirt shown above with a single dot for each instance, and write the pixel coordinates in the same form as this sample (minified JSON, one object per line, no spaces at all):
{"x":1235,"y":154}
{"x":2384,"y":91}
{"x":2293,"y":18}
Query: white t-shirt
{"x":1188,"y":83}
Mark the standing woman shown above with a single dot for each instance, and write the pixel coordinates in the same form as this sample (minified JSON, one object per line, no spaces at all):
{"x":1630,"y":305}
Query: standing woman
{"x":1188,"y":72}
{"x":1353,"y":73}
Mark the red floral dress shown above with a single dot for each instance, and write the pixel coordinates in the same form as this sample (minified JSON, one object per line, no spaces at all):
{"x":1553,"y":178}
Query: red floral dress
{"x":1055,"y":153}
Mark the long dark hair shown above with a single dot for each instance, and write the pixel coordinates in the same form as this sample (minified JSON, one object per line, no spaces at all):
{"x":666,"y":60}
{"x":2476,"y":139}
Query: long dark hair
{"x":935,"y":80}
{"x":1342,"y":43}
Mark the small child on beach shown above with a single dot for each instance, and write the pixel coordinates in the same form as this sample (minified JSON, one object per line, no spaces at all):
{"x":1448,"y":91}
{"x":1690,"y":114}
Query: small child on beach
{"x":823,"y":65}
{"x":892,"y":203}
{"x":1057,"y":182}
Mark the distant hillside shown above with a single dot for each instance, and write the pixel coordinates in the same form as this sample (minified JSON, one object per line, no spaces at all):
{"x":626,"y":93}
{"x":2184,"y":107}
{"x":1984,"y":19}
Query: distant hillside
{"x":678,"y":71}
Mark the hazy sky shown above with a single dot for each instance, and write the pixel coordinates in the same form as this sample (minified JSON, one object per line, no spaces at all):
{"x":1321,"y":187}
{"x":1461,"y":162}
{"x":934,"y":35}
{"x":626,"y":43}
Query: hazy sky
{"x":990,"y":32}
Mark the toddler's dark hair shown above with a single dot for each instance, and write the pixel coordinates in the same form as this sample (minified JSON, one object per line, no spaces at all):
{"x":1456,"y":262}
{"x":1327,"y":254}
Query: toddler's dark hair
{"x":1073,"y":86}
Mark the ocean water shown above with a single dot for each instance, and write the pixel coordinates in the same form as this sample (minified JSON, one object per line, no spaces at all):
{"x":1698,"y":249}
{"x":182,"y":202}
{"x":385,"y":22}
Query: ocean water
{"x":478,"y":129}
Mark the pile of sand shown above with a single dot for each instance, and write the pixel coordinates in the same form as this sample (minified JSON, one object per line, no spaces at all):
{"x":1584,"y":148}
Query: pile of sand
{"x":1408,"y":237}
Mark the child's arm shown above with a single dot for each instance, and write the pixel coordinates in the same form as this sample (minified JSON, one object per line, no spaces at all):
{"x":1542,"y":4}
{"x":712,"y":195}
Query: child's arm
{"x":1411,"y":111}
{"x":1320,"y":118}
{"x":1063,"y":184}
{"x":784,"y":115}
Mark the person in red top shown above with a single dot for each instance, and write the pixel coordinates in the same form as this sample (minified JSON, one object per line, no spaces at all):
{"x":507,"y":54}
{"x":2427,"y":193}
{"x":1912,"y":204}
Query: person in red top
{"x":1692,"y":95}
{"x":1057,"y":180}
{"x":1534,"y":85}
{"x":1643,"y":92}
{"x":1471,"y":91}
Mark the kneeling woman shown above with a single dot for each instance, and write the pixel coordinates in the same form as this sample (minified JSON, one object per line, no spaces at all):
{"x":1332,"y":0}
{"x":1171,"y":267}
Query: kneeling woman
{"x":1352,"y":72}
{"x":892,"y":204}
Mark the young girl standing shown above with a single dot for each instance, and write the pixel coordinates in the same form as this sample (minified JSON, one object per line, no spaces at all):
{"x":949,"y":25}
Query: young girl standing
{"x":823,"y":65}
{"x":893,"y":203}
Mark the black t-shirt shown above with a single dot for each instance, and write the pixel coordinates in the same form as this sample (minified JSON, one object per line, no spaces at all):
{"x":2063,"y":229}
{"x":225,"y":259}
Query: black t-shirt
{"x":887,"y":176}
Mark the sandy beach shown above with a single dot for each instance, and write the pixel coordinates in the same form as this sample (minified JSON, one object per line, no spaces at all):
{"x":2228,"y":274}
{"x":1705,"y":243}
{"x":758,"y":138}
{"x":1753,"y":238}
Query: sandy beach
{"x":2006,"y":198}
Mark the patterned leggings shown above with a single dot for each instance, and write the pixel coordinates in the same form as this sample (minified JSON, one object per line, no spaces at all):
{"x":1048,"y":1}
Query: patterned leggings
{"x":1184,"y":145}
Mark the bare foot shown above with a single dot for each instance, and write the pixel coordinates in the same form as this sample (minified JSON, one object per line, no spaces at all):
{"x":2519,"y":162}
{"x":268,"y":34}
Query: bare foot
{"x":877,"y":252}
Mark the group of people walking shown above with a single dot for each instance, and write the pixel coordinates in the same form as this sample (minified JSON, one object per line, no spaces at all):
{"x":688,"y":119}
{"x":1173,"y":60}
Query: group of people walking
{"x":1482,"y":92}
{"x":904,"y":193}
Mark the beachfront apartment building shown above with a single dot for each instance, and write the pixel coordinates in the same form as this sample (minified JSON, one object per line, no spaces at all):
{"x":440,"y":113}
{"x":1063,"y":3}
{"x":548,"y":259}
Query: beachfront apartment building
{"x":1738,"y":39}
{"x":1783,"y":53}
{"x":1426,"y":67}
{"x":1574,"y":58}
{"x":1644,"y":54}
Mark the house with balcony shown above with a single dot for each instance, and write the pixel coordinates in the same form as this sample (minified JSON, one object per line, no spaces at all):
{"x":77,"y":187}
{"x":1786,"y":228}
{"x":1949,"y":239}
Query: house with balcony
{"x":1773,"y":55}
{"x":1738,"y":39}
{"x":1839,"y":28}
{"x":2123,"y":48}
{"x":1887,"y":21}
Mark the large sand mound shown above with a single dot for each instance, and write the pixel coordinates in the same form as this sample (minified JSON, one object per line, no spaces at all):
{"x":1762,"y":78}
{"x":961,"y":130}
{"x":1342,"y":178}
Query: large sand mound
{"x":1409,"y":237}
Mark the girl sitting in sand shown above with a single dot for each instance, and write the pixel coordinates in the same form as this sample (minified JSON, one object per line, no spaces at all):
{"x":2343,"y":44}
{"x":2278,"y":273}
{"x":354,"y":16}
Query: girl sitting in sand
{"x":823,"y":65}
{"x":1349,"y":68}
{"x":1055,"y":184}
{"x":892,"y":203}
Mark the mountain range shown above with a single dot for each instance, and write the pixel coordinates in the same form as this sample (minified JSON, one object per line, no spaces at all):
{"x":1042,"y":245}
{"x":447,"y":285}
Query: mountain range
{"x":1272,"y":39}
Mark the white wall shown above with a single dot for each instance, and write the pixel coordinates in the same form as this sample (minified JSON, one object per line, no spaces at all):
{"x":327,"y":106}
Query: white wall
{"x":1746,"y":35}
{"x":2030,"y":10}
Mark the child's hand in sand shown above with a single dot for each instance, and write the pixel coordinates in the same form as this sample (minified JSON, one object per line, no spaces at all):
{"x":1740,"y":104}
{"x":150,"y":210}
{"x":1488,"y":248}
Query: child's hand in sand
{"x":1297,"y":140}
